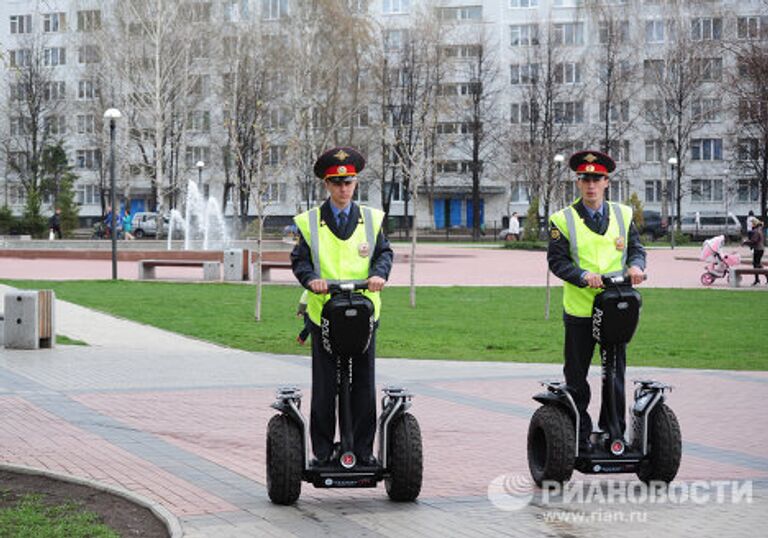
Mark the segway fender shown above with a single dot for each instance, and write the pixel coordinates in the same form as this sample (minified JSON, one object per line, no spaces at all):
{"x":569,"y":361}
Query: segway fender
{"x":552,"y":398}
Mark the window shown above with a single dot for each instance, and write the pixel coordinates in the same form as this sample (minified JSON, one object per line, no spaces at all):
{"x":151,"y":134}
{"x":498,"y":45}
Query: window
{"x":199,"y":48}
{"x":195,"y":154}
{"x":567,"y":73}
{"x":18,"y":161}
{"x":395,"y":39}
{"x":199,"y":85}
{"x":275,"y":155}
{"x":274,"y":192}
{"x":88,"y":159}
{"x":523,"y":3}
{"x":524,"y":73}
{"x":19,"y":126}
{"x":461,"y":13}
{"x":617,"y":191}
{"x":707,"y":149}
{"x":20,"y":57}
{"x":89,"y":54}
{"x":392,"y":7}
{"x":519,"y":192}
{"x":88,"y":21}
{"x":87,"y":194}
{"x":748,"y":190}
{"x":522,"y":112}
{"x":17,"y":195}
{"x":54,"y":22}
{"x":654,"y":151}
{"x":748,"y":149}
{"x":199,"y":12}
{"x":569,"y":33}
{"x":613,"y":32}
{"x":55,"y":125}
{"x":706,"y":190}
{"x":356,"y":118}
{"x":709,"y":69}
{"x":272,"y":10}
{"x":752,"y":110}
{"x":87,"y":89}
{"x":569,"y":112}
{"x":706,"y":28}
{"x":86,"y":123}
{"x":21,"y":24}
{"x":653,"y":71}
{"x":653,"y":191}
{"x":524,"y":34}
{"x":277,"y":118}
{"x":362,"y":191}
{"x":54,"y":91}
{"x":654,"y":31}
{"x":619,"y":150}
{"x":54,"y":56}
{"x":199,"y":120}
{"x":619,"y":111}
{"x":752,"y":27}
{"x":706,"y":110}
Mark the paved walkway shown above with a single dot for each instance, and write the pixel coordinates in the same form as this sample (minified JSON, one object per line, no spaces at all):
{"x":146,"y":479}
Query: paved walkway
{"x":183,"y":423}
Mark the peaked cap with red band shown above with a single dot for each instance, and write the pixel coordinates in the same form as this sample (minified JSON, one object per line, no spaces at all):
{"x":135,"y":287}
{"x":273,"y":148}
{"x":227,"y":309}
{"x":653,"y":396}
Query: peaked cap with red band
{"x":591,"y":162}
{"x":339,"y":162}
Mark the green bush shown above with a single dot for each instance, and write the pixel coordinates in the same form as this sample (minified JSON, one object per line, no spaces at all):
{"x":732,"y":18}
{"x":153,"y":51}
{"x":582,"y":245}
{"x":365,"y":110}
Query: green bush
{"x":7,"y":220}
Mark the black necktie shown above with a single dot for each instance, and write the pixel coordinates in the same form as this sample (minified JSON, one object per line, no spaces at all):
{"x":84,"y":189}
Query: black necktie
{"x":598,"y":218}
{"x":342,"y":219}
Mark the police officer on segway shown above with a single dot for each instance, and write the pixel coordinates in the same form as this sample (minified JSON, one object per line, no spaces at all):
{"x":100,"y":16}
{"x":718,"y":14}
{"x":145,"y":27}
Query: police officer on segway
{"x":336,"y":237}
{"x":590,"y":238}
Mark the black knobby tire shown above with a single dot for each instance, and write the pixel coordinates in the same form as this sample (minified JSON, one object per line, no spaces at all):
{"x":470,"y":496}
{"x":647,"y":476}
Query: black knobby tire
{"x":285,"y":460}
{"x":138,"y":234}
{"x":665,"y":447}
{"x":406,"y":459}
{"x":551,"y":445}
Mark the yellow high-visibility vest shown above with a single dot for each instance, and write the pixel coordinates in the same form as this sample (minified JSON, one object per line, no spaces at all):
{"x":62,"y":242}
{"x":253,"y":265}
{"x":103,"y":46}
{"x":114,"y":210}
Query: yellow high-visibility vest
{"x":600,"y":254}
{"x":340,"y":259}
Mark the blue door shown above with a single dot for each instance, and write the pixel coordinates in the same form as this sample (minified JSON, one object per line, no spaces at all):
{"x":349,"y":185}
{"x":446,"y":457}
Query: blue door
{"x":439,"y":210}
{"x":137,"y":206}
{"x":455,"y":217}
{"x":470,"y":219}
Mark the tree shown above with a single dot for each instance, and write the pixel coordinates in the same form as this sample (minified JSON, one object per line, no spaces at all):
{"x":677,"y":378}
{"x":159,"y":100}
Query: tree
{"x":58,"y":181}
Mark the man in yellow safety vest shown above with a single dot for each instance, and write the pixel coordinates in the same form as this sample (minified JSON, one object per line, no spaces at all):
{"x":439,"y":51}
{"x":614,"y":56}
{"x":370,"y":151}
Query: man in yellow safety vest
{"x":341,"y":240}
{"x":590,"y":238}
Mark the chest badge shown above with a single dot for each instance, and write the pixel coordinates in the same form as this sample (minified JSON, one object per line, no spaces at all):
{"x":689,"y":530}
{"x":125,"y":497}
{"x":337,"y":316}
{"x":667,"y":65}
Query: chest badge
{"x":620,"y":243}
{"x":364,"y":249}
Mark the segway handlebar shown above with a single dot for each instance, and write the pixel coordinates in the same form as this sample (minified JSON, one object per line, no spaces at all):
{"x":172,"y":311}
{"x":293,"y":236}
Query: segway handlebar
{"x":618,"y":279}
{"x":336,"y":286}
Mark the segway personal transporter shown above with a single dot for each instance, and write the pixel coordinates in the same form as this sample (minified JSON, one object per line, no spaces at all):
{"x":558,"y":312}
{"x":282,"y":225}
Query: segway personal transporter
{"x":653,"y":450}
{"x":347,"y":327}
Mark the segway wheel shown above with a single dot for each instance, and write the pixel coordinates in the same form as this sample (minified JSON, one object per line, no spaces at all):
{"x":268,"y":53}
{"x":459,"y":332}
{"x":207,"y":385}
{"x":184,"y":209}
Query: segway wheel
{"x":406,"y":459}
{"x":707,"y":279}
{"x":285,"y":463}
{"x":665,"y":447}
{"x":551,"y":445}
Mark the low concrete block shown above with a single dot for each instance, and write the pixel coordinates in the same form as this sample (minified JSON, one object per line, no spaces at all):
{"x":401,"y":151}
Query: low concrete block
{"x":211,"y":271}
{"x":233,"y":265}
{"x":21,"y":328}
{"x":146,"y":273}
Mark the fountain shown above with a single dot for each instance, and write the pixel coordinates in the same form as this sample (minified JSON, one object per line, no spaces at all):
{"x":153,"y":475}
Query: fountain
{"x":202,"y":224}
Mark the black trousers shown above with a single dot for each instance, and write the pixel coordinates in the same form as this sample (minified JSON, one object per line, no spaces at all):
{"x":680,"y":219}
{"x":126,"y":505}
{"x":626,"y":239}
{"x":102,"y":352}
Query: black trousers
{"x":579,"y":348}
{"x":322,"y":424}
{"x":757,"y":257}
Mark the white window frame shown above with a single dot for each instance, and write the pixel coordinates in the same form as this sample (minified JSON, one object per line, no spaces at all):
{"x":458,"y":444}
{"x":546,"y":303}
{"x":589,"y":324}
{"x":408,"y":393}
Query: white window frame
{"x":54,"y":23}
{"x":21,"y":24}
{"x":707,"y":149}
{"x":86,"y":123}
{"x":524,"y":35}
{"x":395,"y":7}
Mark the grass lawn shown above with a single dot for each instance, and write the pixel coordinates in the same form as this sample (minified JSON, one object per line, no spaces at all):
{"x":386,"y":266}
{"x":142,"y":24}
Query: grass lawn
{"x":678,"y":328}
{"x":31,"y":518}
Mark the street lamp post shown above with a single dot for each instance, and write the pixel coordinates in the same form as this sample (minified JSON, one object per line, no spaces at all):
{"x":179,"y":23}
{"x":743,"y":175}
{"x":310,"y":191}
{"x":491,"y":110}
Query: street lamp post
{"x":672,"y":163}
{"x":726,"y":194}
{"x":559,"y":158}
{"x":113,"y":115}
{"x":200,"y":165}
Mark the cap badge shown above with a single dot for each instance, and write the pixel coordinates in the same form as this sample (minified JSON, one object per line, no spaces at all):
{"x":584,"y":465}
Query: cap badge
{"x":590,"y":158}
{"x":589,"y":168}
{"x":620,"y":243}
{"x":364,"y":249}
{"x":341,"y":155}
{"x":341,"y":170}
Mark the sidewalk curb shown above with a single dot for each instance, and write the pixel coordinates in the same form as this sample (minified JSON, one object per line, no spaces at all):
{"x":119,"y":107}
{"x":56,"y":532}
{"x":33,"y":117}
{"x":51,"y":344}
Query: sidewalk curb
{"x":170,"y":521}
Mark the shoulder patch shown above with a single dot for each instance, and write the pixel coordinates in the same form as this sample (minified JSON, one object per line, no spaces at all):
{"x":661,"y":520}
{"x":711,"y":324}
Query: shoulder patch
{"x":554,"y":233}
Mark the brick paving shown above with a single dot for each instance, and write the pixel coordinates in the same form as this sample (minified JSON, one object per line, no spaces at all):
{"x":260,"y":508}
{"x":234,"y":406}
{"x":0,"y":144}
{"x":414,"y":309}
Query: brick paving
{"x":182,"y":422}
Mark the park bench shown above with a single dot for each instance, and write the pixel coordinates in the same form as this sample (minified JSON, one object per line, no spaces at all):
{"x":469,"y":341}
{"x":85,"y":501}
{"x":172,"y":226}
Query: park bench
{"x":736,"y":274}
{"x":268,"y":265}
{"x":211,"y":269}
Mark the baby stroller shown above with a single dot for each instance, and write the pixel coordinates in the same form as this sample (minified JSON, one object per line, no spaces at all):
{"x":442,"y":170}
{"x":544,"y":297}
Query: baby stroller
{"x":718,"y":264}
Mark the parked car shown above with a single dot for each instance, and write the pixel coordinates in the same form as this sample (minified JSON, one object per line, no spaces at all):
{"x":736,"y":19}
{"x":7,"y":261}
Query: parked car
{"x":704,"y":224}
{"x":144,"y":224}
{"x":652,"y":224}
